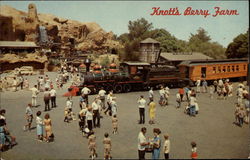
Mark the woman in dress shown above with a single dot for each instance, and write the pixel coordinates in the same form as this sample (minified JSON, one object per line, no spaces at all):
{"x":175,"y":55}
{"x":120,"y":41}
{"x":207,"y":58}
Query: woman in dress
{"x":107,"y":146}
{"x":152,"y":111}
{"x":194,"y":154}
{"x":47,"y":125}
{"x":39,"y":126}
{"x":156,"y":144}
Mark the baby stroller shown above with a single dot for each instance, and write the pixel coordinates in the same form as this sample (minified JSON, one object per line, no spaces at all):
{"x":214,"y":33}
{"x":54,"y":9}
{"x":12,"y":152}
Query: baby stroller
{"x":86,"y":132}
{"x":51,"y":138}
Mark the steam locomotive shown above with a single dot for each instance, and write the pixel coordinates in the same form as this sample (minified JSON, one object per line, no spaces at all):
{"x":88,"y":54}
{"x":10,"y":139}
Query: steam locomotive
{"x":132,"y":76}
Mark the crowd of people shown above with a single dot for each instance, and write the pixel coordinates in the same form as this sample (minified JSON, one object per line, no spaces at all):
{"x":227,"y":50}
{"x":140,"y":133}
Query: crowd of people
{"x":105,"y":105}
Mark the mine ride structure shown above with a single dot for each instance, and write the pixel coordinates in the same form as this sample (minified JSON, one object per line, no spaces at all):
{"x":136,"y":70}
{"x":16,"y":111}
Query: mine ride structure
{"x":209,"y":70}
{"x":132,"y":76}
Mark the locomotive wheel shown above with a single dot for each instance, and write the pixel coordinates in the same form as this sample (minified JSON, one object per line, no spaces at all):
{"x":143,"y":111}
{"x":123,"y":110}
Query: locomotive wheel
{"x":118,"y":88}
{"x":108,"y":88}
{"x":127,"y":88}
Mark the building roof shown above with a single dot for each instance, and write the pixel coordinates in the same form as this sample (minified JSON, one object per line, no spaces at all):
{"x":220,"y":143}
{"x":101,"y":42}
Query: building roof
{"x":149,"y":40}
{"x":136,"y":63}
{"x":17,"y":44}
{"x":184,"y":56}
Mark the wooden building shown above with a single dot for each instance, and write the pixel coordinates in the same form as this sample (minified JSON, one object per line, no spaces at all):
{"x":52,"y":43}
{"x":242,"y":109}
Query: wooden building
{"x":149,"y":50}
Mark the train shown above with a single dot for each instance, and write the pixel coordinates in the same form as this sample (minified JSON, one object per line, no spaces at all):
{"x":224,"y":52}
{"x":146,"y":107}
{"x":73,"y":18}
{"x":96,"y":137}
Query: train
{"x":136,"y":76}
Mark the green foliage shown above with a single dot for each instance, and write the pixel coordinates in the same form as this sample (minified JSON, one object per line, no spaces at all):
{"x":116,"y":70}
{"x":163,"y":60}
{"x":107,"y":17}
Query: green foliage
{"x":55,"y":62}
{"x":200,"y":42}
{"x":105,"y":61}
{"x":239,"y":47}
{"x":138,"y":28}
{"x":142,"y":29}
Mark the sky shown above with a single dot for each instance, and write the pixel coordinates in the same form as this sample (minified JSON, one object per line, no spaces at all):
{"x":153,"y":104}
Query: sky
{"x":115,"y":15}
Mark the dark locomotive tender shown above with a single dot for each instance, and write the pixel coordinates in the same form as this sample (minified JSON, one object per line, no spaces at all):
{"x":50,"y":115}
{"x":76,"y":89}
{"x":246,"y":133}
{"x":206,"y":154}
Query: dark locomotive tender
{"x":133,"y":76}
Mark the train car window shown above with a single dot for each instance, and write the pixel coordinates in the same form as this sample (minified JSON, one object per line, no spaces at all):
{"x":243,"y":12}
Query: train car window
{"x":219,"y":69}
{"x":228,"y":68}
{"x":233,"y":68}
{"x":224,"y":68}
{"x":244,"y":67}
{"x":214,"y":69}
{"x":237,"y":68}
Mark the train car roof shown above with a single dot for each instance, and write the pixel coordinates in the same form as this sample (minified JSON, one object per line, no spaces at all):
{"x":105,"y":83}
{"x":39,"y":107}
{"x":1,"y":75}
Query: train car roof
{"x":214,"y":61}
{"x":135,"y":63}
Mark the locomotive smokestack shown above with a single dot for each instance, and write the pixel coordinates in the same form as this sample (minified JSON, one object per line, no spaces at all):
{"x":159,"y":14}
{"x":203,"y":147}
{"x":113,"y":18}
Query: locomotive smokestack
{"x":87,"y":62}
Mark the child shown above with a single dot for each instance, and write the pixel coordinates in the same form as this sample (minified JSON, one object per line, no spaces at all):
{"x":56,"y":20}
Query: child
{"x":92,"y":145}
{"x":114,"y":124}
{"x":211,"y":92}
{"x":236,"y":113}
{"x":29,"y":117}
{"x":178,"y":100}
{"x":194,"y":154}
{"x":67,"y":115}
{"x":166,"y":146}
{"x":107,"y":146}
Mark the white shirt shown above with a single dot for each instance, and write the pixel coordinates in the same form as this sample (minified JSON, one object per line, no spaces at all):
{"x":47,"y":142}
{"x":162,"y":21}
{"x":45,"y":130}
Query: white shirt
{"x":102,"y":93}
{"x":83,"y":111}
{"x":69,"y":104}
{"x":240,"y":92}
{"x":52,"y":92}
{"x":220,"y":82}
{"x":109,"y":98}
{"x":141,"y":139}
{"x":162,"y":92}
{"x":192,"y":101}
{"x":95,"y":106}
{"x":151,"y":93}
{"x":34,"y":92}
{"x":142,"y":103}
{"x":89,"y":115}
{"x":178,"y":96}
{"x":39,"y":121}
{"x":167,"y":146}
{"x":198,"y":82}
{"x":85,"y":90}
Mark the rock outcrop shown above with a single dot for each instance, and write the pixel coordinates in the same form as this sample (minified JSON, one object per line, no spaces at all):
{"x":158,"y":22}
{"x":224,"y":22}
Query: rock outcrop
{"x":71,"y":34}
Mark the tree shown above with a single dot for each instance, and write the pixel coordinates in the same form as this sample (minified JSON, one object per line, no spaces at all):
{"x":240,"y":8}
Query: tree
{"x":201,"y":35}
{"x":239,"y":47}
{"x":138,"y":28}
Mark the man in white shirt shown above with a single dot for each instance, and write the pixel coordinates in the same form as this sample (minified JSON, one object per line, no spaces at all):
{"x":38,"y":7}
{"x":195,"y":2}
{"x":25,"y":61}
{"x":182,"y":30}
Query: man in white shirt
{"x":192,"y":105}
{"x":96,"y":112}
{"x":239,"y":95}
{"x":86,"y":91}
{"x":166,"y":146}
{"x":142,"y":103}
{"x":35,"y":92}
{"x":162,"y":95}
{"x":151,"y":94}
{"x":198,"y":83}
{"x":109,"y":99}
{"x":53,"y":97}
{"x":89,"y":117}
{"x":102,"y":93}
{"x":142,"y":143}
{"x":114,"y":106}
